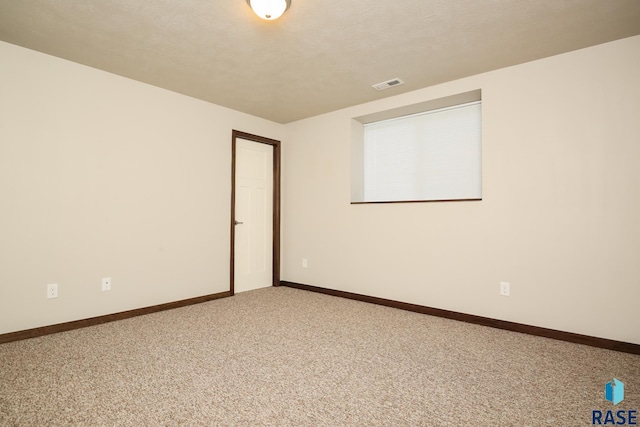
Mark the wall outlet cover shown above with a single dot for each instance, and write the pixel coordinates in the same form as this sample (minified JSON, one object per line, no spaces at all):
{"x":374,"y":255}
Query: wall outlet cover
{"x":52,"y":290}
{"x":505,"y":289}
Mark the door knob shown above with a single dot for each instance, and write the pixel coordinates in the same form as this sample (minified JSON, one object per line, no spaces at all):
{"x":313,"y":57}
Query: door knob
{"x":237,"y":222}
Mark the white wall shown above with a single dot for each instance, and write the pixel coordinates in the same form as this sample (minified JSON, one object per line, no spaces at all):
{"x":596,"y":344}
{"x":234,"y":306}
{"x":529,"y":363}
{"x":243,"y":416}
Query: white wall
{"x":102,"y":176}
{"x":559,"y":219}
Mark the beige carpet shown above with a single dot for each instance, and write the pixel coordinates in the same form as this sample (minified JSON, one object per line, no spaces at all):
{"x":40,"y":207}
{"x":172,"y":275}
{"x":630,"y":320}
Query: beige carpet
{"x":286,"y":357}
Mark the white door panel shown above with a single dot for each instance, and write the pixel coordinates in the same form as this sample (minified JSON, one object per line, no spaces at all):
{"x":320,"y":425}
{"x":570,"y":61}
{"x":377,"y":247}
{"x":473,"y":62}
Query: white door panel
{"x":253,"y":257}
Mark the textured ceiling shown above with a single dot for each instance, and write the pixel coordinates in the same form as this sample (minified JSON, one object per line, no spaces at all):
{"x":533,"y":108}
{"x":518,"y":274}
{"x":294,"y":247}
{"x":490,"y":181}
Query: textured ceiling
{"x":322,"y":55}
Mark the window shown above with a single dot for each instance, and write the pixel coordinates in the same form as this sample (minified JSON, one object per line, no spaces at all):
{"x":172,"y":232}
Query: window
{"x":430,"y":155}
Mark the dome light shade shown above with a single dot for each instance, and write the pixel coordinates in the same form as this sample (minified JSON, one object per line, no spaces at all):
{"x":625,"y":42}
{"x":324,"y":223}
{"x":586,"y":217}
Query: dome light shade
{"x":269,"y":9}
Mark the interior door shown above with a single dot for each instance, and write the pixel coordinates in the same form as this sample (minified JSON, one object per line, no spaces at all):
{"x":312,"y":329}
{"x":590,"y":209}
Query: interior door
{"x":253,"y":215}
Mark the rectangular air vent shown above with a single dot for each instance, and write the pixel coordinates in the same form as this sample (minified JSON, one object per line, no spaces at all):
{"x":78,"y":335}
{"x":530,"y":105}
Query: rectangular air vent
{"x":388,"y":84}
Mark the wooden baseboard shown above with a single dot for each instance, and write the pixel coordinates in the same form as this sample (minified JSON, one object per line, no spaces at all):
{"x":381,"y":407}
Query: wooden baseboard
{"x":68,"y":326}
{"x":469,"y":318}
{"x":479,"y":320}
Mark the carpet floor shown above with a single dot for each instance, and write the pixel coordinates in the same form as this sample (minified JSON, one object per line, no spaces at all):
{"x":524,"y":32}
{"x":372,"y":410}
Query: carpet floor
{"x":286,"y":357}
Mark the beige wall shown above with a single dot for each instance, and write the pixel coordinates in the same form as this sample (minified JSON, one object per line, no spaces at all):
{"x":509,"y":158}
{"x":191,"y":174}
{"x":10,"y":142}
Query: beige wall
{"x":559,"y":219}
{"x":102,"y":176}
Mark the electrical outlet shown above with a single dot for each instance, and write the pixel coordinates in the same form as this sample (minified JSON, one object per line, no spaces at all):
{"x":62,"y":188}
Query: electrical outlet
{"x":305,"y":264}
{"x":505,"y":289}
{"x":106,"y":284}
{"x":52,"y":290}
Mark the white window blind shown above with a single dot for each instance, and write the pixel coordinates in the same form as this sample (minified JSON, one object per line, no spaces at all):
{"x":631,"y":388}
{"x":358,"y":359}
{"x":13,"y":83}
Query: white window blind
{"x":435,"y":155}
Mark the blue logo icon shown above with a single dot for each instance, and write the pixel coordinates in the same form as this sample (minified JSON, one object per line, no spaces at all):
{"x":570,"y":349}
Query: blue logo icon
{"x":614,"y":391}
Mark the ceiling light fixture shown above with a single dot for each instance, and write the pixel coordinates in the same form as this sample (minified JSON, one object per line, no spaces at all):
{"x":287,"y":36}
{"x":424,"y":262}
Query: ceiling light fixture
{"x":269,"y":9}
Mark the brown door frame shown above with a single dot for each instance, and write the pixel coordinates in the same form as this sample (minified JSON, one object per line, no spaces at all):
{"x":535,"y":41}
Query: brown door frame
{"x":276,"y":203}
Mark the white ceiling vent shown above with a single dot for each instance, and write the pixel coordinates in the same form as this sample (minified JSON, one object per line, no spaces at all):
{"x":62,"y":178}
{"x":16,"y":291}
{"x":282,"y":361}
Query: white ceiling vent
{"x":388,"y":84}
